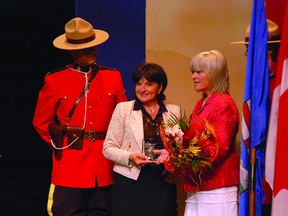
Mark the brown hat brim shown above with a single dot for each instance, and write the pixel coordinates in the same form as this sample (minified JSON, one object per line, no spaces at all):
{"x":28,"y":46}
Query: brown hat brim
{"x":61,"y":43}
{"x":245,"y":42}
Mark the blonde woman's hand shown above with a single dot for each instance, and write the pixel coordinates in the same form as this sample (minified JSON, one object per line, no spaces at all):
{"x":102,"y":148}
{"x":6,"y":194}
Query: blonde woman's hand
{"x":163,"y":156}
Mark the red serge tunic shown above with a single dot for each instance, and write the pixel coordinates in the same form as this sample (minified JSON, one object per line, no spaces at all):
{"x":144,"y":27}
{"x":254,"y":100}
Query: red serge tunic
{"x":80,"y":168}
{"x":221,"y":112}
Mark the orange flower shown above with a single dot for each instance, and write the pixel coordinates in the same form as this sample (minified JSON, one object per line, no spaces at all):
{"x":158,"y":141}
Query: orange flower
{"x":192,"y":153}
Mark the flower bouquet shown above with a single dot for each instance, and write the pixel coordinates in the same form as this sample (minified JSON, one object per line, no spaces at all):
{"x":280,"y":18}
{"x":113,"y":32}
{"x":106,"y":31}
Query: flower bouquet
{"x":191,"y":150}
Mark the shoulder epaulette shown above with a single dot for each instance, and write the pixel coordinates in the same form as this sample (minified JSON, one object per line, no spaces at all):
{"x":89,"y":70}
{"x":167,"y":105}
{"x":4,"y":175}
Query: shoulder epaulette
{"x":56,"y":70}
{"x":104,"y":67}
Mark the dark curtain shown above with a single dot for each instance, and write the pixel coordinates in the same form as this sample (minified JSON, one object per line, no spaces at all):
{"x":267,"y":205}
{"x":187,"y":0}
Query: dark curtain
{"x":26,"y":55}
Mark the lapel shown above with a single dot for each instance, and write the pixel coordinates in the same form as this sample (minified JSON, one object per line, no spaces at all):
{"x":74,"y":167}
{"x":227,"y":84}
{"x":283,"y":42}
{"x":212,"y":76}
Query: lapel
{"x":166,"y":116}
{"x":199,"y":108}
{"x":136,"y":124}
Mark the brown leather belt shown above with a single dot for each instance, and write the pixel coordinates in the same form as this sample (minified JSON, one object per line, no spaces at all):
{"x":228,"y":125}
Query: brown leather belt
{"x":93,"y":135}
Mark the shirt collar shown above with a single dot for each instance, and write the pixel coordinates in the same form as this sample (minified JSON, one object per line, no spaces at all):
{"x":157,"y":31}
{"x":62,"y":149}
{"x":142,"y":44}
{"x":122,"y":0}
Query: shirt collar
{"x":83,"y":68}
{"x":139,"y":106}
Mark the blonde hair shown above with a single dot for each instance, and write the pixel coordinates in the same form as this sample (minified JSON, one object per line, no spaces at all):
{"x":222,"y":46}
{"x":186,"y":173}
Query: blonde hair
{"x":214,"y":65}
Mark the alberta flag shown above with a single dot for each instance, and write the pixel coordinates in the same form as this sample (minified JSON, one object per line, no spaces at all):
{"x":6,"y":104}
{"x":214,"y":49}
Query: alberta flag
{"x":255,"y":115}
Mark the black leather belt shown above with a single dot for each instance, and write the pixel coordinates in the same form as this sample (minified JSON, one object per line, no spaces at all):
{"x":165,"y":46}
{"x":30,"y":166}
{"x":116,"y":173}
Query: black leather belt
{"x":93,"y":135}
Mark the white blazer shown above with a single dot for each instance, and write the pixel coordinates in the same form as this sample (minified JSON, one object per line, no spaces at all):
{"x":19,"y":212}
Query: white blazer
{"x":125,"y":135}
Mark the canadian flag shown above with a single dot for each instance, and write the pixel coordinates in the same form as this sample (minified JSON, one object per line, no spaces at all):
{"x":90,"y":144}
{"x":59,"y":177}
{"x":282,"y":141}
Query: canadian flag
{"x":276,"y":163}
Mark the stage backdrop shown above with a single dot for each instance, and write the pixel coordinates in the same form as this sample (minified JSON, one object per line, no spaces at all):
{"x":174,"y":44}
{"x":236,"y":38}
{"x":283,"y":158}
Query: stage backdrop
{"x":170,"y":33}
{"x":125,"y":23}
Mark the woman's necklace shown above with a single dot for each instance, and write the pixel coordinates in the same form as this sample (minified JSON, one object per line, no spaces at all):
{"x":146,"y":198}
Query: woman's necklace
{"x":151,"y":109}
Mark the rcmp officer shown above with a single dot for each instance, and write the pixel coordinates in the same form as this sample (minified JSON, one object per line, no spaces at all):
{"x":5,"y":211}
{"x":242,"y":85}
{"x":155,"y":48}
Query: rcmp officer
{"x":273,"y":45}
{"x":81,"y":176}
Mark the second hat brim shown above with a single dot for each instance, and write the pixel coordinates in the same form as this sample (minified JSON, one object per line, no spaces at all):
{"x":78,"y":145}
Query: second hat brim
{"x":245,"y":42}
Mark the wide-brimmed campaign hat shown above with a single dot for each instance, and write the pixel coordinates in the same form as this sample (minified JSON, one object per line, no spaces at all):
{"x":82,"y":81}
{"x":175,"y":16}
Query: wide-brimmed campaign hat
{"x":80,"y":34}
{"x":273,"y":33}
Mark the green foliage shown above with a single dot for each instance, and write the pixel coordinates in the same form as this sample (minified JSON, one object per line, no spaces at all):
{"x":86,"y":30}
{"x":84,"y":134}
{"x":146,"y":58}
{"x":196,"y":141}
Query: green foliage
{"x":183,"y":122}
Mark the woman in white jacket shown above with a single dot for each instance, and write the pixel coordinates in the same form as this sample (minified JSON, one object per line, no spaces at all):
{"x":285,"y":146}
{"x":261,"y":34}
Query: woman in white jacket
{"x":140,"y":187}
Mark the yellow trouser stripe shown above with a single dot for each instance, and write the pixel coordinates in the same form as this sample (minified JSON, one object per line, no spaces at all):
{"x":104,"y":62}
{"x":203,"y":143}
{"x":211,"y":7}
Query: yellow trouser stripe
{"x":50,"y":199}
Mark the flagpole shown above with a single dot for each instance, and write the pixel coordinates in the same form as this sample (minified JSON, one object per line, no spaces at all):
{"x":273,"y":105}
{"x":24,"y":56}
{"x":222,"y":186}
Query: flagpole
{"x":252,"y":192}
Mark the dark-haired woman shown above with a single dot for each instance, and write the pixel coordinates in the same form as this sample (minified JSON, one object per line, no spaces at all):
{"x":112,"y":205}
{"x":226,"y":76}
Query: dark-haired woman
{"x":140,"y":187}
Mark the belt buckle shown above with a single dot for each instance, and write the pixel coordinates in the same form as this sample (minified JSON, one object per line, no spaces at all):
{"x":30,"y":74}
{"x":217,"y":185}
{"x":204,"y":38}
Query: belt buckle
{"x":91,"y":136}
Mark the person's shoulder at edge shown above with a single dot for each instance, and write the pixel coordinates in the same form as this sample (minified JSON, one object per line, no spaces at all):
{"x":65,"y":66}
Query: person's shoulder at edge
{"x":223,"y":101}
{"x":221,"y":97}
{"x":169,"y":105}
{"x":102,"y":67}
{"x":173,"y":108}
{"x":129,"y":103}
{"x":56,"y":70}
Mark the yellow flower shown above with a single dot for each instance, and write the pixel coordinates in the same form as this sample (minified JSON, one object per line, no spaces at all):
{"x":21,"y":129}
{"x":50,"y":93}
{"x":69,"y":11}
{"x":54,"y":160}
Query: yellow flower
{"x":194,"y":149}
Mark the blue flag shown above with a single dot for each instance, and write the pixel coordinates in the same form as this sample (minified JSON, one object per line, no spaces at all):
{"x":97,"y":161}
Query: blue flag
{"x":255,"y":114}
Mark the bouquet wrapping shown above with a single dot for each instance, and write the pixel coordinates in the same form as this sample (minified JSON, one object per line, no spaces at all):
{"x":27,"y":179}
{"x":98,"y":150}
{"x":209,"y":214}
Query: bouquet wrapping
{"x":191,"y":149}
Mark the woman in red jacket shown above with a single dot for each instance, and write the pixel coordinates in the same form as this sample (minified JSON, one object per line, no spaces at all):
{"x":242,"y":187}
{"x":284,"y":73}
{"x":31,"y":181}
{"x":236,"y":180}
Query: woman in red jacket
{"x":217,"y":192}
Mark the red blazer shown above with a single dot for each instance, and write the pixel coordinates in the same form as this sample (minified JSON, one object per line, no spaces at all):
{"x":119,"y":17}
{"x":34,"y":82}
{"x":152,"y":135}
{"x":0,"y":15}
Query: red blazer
{"x":80,"y":168}
{"x":221,"y":112}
